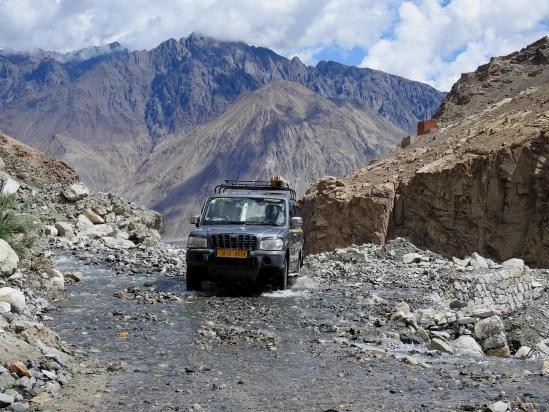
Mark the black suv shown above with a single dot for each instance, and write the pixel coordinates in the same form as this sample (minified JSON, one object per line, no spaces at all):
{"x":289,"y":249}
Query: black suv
{"x":248,"y":231}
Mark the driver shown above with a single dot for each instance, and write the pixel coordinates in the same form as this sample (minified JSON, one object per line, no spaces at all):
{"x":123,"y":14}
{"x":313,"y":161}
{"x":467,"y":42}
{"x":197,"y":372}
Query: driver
{"x":274,"y":215}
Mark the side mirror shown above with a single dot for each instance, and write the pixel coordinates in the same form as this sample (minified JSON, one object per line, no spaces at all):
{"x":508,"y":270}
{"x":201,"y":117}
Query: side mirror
{"x":195,"y":219}
{"x":297,"y":221}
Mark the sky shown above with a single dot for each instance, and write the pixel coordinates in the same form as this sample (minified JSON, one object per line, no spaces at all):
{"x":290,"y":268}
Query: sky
{"x":432,"y":41}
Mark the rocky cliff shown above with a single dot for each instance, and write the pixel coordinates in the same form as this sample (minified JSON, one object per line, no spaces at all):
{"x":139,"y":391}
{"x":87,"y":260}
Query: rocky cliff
{"x":478,"y":183}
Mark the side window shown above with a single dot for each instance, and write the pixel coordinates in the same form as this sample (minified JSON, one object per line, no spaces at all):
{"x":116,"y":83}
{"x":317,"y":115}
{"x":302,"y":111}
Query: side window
{"x":292,"y":210}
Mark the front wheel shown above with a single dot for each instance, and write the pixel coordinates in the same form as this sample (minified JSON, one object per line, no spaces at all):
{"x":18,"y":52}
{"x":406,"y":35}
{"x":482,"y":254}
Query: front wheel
{"x":193,"y":280}
{"x":281,"y":281}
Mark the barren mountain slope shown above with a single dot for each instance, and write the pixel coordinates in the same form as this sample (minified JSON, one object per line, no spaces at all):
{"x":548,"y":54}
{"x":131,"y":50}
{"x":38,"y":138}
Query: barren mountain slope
{"x":31,"y":166}
{"x":103,"y":110}
{"x":283,"y":128}
{"x":479,"y":183}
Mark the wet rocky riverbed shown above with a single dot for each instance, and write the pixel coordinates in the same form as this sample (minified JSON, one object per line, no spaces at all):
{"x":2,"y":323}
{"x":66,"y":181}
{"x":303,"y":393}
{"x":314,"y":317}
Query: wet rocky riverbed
{"x":326,"y":344}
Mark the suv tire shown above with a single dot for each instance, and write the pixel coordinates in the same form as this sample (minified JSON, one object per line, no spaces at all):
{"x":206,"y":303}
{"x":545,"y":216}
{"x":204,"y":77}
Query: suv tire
{"x":281,"y":279}
{"x":193,"y":280}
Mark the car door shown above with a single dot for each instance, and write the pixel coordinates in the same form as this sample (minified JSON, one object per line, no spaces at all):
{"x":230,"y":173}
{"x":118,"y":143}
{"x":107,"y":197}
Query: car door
{"x":295,"y":239}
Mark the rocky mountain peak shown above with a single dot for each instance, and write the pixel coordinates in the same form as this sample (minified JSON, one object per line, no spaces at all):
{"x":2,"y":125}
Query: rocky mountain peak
{"x":502,"y":78}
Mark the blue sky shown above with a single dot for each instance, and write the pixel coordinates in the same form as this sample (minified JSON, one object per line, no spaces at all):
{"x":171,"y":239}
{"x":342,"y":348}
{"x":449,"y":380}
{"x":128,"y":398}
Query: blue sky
{"x":432,"y":41}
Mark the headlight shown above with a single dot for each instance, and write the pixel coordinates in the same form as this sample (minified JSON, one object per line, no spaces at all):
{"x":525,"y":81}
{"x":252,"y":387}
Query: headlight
{"x":197,"y":242}
{"x":271,"y":244}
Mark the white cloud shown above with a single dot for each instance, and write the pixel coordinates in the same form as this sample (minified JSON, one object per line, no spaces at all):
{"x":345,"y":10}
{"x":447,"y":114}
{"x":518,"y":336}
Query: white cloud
{"x":435,"y":44}
{"x":417,"y":39}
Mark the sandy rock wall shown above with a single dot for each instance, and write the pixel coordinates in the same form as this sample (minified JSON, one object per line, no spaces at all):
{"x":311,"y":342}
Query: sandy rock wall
{"x":496,"y":204}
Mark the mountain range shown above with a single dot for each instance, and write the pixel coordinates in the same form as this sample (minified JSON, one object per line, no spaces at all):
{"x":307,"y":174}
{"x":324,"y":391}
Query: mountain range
{"x":162,"y":126}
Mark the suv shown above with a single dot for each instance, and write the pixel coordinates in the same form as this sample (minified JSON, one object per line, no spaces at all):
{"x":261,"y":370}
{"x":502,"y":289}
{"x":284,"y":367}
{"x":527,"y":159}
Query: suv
{"x":248,"y":231}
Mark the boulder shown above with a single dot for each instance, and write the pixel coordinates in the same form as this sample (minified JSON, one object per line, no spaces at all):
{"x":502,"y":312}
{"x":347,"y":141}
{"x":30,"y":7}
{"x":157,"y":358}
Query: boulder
{"x":76,"y":276}
{"x":6,"y":400}
{"x":489,"y":327}
{"x":14,"y":297}
{"x":523,"y":352}
{"x":8,"y":186}
{"x":8,"y":259}
{"x":76,"y":192}
{"x":65,"y":229}
{"x":5,"y":307}
{"x":2,"y":164}
{"x":51,"y":230}
{"x":83,"y":222}
{"x":151,"y":219}
{"x":514,"y":263}
{"x":467,"y":345}
{"x":545,"y":368}
{"x":499,"y":406}
{"x":93,"y":217}
{"x":18,"y":368}
{"x":98,"y":231}
{"x":410,"y":258}
{"x":118,"y":243}
{"x":441,"y":345}
{"x":478,"y":262}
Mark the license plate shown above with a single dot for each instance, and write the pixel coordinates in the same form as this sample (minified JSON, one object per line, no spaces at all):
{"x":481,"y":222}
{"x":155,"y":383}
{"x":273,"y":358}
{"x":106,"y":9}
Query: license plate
{"x":232,"y":253}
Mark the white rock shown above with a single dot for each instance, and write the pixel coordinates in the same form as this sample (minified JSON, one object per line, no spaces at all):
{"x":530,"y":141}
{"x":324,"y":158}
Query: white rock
{"x":76,"y":192}
{"x":514,"y":263}
{"x":523,"y":352}
{"x":51,"y":231}
{"x":118,"y":243}
{"x":98,"y":231}
{"x":478,"y":262}
{"x":83,"y":222}
{"x":441,"y":345}
{"x":409,"y":258}
{"x":58,"y":282}
{"x":8,"y":186}
{"x":8,"y":259}
{"x":466,"y":345}
{"x":14,"y":297}
{"x":499,"y":406}
{"x":489,"y":327}
{"x":5,"y":307}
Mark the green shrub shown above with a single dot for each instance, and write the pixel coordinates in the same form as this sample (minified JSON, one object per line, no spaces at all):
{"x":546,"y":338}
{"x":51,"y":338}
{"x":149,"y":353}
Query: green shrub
{"x":16,"y":229}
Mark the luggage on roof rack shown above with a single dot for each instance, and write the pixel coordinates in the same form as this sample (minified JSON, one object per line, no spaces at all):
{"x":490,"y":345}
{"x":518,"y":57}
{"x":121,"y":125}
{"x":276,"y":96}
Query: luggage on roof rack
{"x":276,"y":183}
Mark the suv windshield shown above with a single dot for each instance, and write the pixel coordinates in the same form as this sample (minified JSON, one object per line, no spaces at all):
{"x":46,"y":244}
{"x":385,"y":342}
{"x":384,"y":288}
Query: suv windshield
{"x":245,"y":210}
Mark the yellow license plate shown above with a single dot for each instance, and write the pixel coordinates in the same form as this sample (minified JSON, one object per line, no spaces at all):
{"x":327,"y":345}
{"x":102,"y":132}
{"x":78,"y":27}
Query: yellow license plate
{"x":232,"y":253}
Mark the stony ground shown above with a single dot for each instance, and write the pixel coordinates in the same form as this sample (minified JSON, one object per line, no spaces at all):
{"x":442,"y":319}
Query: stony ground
{"x":359,"y":330}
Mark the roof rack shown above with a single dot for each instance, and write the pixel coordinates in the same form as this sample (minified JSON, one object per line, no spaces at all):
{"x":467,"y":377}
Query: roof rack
{"x":265,"y":185}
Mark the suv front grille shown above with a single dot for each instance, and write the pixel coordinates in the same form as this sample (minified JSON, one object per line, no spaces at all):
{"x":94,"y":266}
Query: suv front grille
{"x":226,"y":241}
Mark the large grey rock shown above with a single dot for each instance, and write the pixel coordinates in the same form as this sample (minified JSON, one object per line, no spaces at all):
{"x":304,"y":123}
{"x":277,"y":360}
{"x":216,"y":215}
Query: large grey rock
{"x":65,"y":229}
{"x":8,"y":185}
{"x":98,"y":231}
{"x":478,"y":262}
{"x":14,"y":297}
{"x":6,"y":400}
{"x":489,"y":327}
{"x":499,"y":406}
{"x":409,"y":258}
{"x":50,"y":230}
{"x":83,"y":222}
{"x":118,"y":243}
{"x":514,"y":263}
{"x":467,"y":345}
{"x":76,"y":192}
{"x":6,"y":380}
{"x":441,"y":345}
{"x":8,"y":259}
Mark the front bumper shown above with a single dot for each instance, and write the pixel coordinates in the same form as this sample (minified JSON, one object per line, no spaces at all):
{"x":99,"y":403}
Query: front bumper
{"x":209,"y":267}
